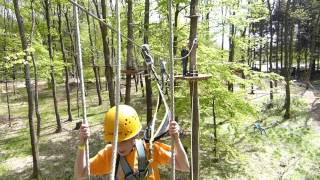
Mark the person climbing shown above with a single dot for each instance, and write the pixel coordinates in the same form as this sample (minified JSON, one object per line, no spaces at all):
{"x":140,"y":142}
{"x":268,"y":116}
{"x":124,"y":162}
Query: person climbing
{"x":163,"y":69}
{"x":133,"y":154}
{"x":184,"y":61}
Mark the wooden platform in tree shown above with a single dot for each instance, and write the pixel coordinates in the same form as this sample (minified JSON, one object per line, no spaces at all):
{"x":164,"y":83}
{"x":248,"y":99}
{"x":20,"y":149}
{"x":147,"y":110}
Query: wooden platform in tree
{"x":131,"y":71}
{"x":199,"y":77}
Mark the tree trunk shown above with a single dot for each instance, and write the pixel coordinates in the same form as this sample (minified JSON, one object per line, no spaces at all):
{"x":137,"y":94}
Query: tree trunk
{"x":287,"y":61}
{"x":231,"y":48}
{"x":249,"y":52}
{"x":93,"y":61}
{"x":72,"y":48}
{"x":312,"y":67}
{"x":8,"y":98}
{"x":299,"y":48}
{"x":277,"y":48}
{"x":95,"y":44}
{"x":194,"y":90}
{"x":270,"y":49}
{"x":130,"y":65}
{"x":75,"y":72}
{"x":147,"y":77}
{"x":5,"y":52}
{"x":66,"y":69}
{"x":35,"y":69}
{"x":34,"y":145}
{"x":306,"y":59}
{"x":53,"y":81}
{"x":214,"y":129}
{"x":318,"y":61}
{"x":175,"y":26}
{"x":106,"y":52}
{"x":260,"y":46}
{"x":282,"y":46}
{"x":222,"y":24}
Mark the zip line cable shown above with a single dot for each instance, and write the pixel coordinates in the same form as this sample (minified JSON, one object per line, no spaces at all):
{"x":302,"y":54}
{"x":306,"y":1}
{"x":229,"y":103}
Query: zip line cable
{"x":83,"y":98}
{"x":125,"y":37}
{"x":117,"y":95}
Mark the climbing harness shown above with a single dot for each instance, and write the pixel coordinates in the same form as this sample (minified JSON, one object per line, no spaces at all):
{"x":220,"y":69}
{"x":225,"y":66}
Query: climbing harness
{"x":143,"y":164}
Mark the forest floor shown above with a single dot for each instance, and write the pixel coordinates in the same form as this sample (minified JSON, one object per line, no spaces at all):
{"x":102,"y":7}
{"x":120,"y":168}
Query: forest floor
{"x":57,"y":151}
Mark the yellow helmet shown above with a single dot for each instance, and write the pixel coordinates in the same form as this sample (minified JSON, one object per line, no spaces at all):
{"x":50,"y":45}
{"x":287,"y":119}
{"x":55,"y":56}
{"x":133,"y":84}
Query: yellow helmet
{"x":129,"y":123}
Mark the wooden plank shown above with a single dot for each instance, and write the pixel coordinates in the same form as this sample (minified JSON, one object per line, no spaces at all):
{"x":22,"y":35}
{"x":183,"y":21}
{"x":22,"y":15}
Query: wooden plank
{"x":200,"y":77}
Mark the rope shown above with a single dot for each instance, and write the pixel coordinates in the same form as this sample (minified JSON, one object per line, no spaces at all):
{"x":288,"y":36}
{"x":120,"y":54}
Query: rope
{"x":149,"y":61}
{"x":83,"y":98}
{"x":123,"y":36}
{"x":117,"y":94}
{"x":173,"y":157}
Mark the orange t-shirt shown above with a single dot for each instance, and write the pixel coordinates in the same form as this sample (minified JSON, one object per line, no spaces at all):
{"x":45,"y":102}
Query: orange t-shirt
{"x":101,"y":163}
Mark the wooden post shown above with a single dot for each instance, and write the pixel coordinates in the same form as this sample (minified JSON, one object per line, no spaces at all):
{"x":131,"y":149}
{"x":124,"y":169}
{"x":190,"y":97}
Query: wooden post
{"x":194,"y":91}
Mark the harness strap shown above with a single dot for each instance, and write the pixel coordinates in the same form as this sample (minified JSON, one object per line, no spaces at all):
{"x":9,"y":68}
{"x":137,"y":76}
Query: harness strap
{"x":142,"y":164}
{"x":142,"y":159}
{"x":128,"y":173}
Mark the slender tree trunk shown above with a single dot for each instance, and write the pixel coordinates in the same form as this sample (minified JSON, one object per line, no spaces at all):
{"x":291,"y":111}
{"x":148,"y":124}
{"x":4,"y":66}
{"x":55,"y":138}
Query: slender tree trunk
{"x":5,"y":52}
{"x":282,"y":46}
{"x":14,"y":71}
{"x":287,"y":61}
{"x":299,"y":47}
{"x":35,"y":69}
{"x":147,"y":78}
{"x":249,"y":52}
{"x":270,"y":49}
{"x":97,"y":55}
{"x":66,"y":69}
{"x":194,"y":91}
{"x":214,"y":128}
{"x":231,"y":48}
{"x":306,"y":59}
{"x":318,"y":56}
{"x":8,"y":98}
{"x":223,"y":24}
{"x":53,"y":81}
{"x":34,"y":145}
{"x":260,"y":46}
{"x":277,"y":48}
{"x":66,"y":15}
{"x":93,"y":61}
{"x":175,"y":26}
{"x":76,"y":72}
{"x":106,"y":52}
{"x":130,"y":64}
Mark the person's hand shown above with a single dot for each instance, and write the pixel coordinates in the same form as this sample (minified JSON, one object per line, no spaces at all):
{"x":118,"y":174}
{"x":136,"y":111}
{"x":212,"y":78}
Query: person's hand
{"x":84,"y":133}
{"x":174,"y":129}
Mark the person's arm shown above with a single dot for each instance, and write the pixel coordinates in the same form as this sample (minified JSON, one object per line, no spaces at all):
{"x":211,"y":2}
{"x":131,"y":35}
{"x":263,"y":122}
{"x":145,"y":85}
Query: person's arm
{"x":181,"y":158}
{"x":80,"y":162}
